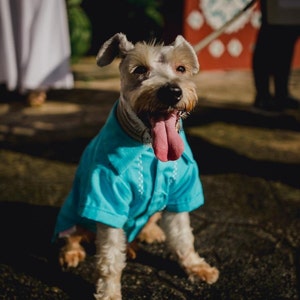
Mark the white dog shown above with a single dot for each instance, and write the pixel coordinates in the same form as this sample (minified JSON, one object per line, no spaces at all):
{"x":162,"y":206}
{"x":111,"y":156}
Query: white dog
{"x":138,"y":165}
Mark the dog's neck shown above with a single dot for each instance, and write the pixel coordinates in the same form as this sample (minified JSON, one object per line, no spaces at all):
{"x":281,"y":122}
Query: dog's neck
{"x":131,"y":124}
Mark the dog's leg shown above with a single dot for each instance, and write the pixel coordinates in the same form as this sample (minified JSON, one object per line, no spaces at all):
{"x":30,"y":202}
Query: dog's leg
{"x":111,"y":255}
{"x":72,"y":253}
{"x":152,"y":232}
{"x":181,"y":242}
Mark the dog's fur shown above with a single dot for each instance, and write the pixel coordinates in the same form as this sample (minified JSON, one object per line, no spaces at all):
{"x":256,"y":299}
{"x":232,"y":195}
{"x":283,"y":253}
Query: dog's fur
{"x":156,"y":81}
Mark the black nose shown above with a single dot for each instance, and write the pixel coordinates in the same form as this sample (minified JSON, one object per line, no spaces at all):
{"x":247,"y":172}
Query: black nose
{"x":169,"y":94}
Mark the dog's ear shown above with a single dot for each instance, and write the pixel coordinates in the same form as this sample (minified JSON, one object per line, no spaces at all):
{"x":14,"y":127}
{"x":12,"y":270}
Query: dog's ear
{"x":181,"y":42}
{"x":116,"y":46}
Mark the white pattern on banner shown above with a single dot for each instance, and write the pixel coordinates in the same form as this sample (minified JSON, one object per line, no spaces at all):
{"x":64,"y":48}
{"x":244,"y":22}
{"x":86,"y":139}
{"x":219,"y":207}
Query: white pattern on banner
{"x":234,"y":47}
{"x":216,"y":48}
{"x":195,"y":20}
{"x":218,"y":12}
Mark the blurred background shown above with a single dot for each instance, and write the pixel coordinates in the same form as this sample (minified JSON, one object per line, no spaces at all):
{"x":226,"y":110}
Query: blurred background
{"x":90,"y":26}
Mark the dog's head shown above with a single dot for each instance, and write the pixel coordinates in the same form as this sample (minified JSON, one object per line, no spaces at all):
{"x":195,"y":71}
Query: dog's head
{"x":156,"y":82}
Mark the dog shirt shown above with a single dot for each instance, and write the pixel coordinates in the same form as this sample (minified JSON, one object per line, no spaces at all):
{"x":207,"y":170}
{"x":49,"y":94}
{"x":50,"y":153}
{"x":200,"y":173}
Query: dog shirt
{"x":120,"y":182}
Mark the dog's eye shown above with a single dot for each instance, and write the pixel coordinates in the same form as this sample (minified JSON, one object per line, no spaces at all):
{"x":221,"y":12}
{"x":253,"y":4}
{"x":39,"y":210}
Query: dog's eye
{"x":180,"y":69}
{"x":140,"y":70}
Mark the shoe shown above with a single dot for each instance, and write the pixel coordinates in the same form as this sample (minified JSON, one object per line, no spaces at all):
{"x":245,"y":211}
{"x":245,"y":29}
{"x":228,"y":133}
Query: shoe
{"x":290,"y":103}
{"x":36,"y":98}
{"x":267,"y":104}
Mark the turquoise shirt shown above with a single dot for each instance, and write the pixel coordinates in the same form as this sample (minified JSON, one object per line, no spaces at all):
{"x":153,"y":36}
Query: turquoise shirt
{"x":120,"y":182}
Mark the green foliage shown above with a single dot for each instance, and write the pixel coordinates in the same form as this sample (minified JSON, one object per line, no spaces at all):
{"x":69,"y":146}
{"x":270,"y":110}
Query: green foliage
{"x":80,"y":30}
{"x":151,"y":9}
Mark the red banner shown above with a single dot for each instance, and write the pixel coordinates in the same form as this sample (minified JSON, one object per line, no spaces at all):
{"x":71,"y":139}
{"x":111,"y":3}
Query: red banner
{"x":233,"y":49}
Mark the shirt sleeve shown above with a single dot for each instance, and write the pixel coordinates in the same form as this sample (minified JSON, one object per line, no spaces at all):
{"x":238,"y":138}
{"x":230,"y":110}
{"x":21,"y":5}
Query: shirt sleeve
{"x":104,"y":197}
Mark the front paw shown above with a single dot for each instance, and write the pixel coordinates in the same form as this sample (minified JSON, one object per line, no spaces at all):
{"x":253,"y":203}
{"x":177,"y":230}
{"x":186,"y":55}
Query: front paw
{"x":71,"y":256}
{"x":152,"y":233}
{"x":203,"y":272}
{"x":108,"y":289}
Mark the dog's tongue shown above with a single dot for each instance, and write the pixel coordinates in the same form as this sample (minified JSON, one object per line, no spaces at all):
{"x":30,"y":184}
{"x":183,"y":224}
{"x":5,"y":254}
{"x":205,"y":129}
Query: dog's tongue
{"x":166,"y":142}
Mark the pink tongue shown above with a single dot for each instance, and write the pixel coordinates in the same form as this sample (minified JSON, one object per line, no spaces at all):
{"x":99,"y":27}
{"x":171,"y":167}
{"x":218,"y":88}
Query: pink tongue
{"x":166,"y":143}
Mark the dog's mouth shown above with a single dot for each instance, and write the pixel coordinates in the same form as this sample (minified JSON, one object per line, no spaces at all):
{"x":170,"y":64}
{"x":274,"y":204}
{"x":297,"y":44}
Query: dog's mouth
{"x":166,"y":141}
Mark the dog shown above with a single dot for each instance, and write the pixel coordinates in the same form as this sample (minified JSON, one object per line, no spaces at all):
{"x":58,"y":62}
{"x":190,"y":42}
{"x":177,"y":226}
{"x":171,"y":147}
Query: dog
{"x":137,"y":178}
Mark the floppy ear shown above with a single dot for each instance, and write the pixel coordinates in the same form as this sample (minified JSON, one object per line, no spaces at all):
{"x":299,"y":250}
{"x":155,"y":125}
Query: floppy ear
{"x":116,"y":46}
{"x":182,"y":43}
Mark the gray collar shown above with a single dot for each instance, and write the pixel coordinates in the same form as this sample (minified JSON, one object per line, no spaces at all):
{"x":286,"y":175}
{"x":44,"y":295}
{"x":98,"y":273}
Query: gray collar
{"x":131,"y":124}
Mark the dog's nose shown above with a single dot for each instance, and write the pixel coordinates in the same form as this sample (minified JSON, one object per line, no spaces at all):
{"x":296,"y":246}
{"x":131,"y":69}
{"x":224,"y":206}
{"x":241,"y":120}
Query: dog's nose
{"x":169,"y":94}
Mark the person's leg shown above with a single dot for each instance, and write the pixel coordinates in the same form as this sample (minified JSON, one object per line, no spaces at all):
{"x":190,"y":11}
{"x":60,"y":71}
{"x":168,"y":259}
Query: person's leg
{"x":264,"y":58}
{"x":287,"y":36}
{"x":261,"y":65}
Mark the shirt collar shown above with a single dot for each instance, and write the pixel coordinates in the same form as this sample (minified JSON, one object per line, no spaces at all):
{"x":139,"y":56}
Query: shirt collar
{"x":124,"y":149}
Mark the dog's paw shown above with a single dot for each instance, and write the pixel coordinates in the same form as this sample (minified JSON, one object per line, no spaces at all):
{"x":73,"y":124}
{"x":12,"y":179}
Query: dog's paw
{"x":108,"y":288}
{"x":203,"y":272}
{"x":71,"y":256}
{"x":152,"y":233}
{"x":103,"y":297}
{"x":132,"y":249}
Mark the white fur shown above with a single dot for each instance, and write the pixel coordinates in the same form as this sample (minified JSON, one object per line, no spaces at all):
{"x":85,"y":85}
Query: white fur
{"x":111,"y":256}
{"x":180,"y":240}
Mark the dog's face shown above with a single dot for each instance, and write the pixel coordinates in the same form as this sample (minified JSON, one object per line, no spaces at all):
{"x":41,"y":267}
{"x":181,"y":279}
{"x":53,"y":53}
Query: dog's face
{"x":157,"y":79}
{"x":156,"y":82}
